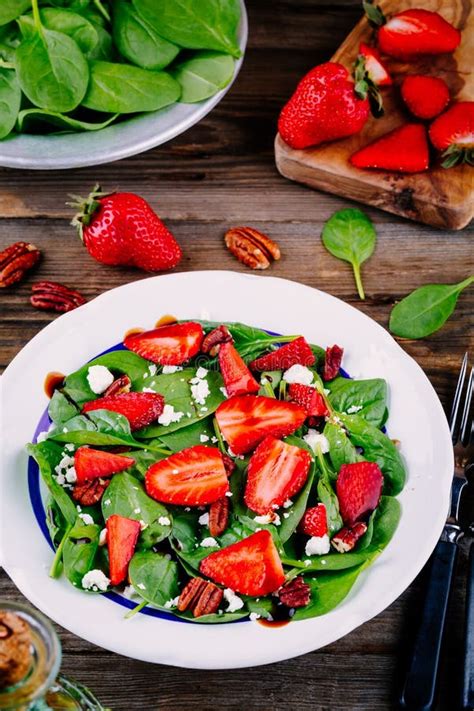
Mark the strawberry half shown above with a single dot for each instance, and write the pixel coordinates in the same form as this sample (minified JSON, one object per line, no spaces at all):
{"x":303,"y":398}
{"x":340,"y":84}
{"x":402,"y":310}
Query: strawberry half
{"x":249,"y":567}
{"x":295,"y":352}
{"x":314,"y":521}
{"x":453,"y":133}
{"x":309,"y":398}
{"x":425,"y":96}
{"x":168,"y":345}
{"x":193,"y":477}
{"x":404,"y":150}
{"x":374,"y":66}
{"x":96,"y":463}
{"x":140,"y":409}
{"x":358,"y":488}
{"x":245,"y":420}
{"x":238,"y":379}
{"x":122,"y":536}
{"x":276,"y":472}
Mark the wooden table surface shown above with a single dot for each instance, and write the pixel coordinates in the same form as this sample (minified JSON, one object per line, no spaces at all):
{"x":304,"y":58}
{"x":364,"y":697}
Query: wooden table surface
{"x":218,"y":174}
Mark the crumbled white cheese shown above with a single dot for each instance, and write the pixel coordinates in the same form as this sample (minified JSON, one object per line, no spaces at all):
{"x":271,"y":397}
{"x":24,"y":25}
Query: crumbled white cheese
{"x":214,"y":440}
{"x":199,"y":390}
{"x":313,"y":438}
{"x":129,"y":592}
{"x":353,"y":409}
{"x":224,"y":391}
{"x":152,"y":368}
{"x":254,"y":616}
{"x":71,"y":476}
{"x":141,"y":586}
{"x":204,"y":438}
{"x":95,"y":580}
{"x":143,"y":525}
{"x":103,"y":537}
{"x":287,"y":504}
{"x":209,"y":542}
{"x":168,"y":369}
{"x":69,"y":447}
{"x":264,"y":520}
{"x":228,"y":493}
{"x":107,"y":502}
{"x":234,"y":602}
{"x":169,"y":415}
{"x":65,"y":470}
{"x":204,"y":519}
{"x":99,"y":378}
{"x":86,"y":518}
{"x":318,"y":545}
{"x":286,"y":515}
{"x":201,"y":373}
{"x":307,"y":563}
{"x":172,"y":603}
{"x":164,"y":521}
{"x":148,"y":390}
{"x":298,"y":374}
{"x":137,"y":510}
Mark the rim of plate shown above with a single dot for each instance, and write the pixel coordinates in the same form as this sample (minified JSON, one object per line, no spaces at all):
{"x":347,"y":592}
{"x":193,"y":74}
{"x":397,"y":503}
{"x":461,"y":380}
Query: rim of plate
{"x":122,"y":140}
{"x":267,"y":302}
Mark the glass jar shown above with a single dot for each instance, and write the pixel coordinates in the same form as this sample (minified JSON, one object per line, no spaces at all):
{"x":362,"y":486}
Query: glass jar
{"x":43,"y":688}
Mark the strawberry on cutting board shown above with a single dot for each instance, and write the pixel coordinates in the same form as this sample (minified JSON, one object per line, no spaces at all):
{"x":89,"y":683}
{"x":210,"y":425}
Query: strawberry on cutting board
{"x":358,"y":488}
{"x":167,"y":345}
{"x":122,"y":228}
{"x":453,"y":133}
{"x":403,"y":150}
{"x":92,"y":463}
{"x":297,"y":352}
{"x":122,"y":536}
{"x":425,"y":96}
{"x":140,"y":409}
{"x":374,"y":65}
{"x":238,"y":379}
{"x":193,"y":477}
{"x":250,"y":567}
{"x":245,"y":420}
{"x":276,"y":472}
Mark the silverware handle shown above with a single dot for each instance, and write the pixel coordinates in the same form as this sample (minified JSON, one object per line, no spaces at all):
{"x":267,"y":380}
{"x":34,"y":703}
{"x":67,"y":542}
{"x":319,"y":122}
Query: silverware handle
{"x":419,"y":688}
{"x":468,"y":678}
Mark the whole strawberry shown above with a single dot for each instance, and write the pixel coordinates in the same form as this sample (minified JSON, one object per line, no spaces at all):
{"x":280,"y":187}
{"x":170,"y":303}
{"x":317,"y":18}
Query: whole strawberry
{"x":122,"y":228}
{"x":324,"y":107}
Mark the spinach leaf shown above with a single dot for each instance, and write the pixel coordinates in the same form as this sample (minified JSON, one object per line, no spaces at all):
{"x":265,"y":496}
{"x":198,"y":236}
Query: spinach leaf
{"x":350,"y":235}
{"x":126,"y":497}
{"x":377,"y":448}
{"x":341,"y":449}
{"x":212,"y":619}
{"x":185,"y":529}
{"x":48,"y":455}
{"x":137,"y":40}
{"x":328,"y":563}
{"x":291,"y":516}
{"x":327,"y":496}
{"x":11,"y":9}
{"x":386,"y":519}
{"x":327,"y":591}
{"x":154,"y":577}
{"x":60,"y":409}
{"x":195,"y":24}
{"x":34,"y":120}
{"x":10,"y":99}
{"x":70,"y":23}
{"x":80,"y":550}
{"x":367,"y":398}
{"x":189,"y":436}
{"x":426,"y":309}
{"x":203,"y":76}
{"x":124,"y":89}
{"x":55,"y":521}
{"x":264,"y":607}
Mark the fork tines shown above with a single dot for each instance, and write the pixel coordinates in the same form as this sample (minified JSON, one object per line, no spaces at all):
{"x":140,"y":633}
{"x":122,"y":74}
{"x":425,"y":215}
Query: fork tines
{"x":459,"y":421}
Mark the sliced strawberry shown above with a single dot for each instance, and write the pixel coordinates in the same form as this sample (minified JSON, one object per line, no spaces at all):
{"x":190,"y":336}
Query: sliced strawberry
{"x":315,"y":522}
{"x":95,"y":463}
{"x":276,"y":472}
{"x":122,"y":536}
{"x":238,"y":379}
{"x":309,"y":398}
{"x":245,"y":420}
{"x":374,"y":66}
{"x":426,"y":97}
{"x":140,"y":409}
{"x":193,"y":477}
{"x":249,"y":567}
{"x":358,"y":489}
{"x":404,"y":150}
{"x":453,"y":133}
{"x":413,"y":32}
{"x":297,"y":351}
{"x":168,"y":345}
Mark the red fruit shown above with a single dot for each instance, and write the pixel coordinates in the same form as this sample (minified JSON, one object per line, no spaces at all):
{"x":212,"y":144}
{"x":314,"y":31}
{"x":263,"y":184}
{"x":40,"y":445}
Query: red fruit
{"x":122,"y":536}
{"x":245,"y":420}
{"x":453,"y":133}
{"x":324,"y":107}
{"x":295,"y":352}
{"x":249,"y":567}
{"x":95,"y":463}
{"x":332,"y":362}
{"x":121,"y":228}
{"x":374,"y":66}
{"x":413,"y":32}
{"x":426,"y":97}
{"x":193,"y":477}
{"x":404,"y":150}
{"x":309,"y":398}
{"x":314,"y":522}
{"x":238,"y":379}
{"x":167,"y":345}
{"x":140,"y":409}
{"x":358,"y":489}
{"x":276,"y":472}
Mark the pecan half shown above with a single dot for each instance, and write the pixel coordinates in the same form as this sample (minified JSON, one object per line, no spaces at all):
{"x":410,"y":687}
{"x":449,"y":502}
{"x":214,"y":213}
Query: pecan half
{"x":251,"y":247}
{"x":15,"y":261}
{"x":296,"y":593}
{"x":201,"y":597}
{"x":214,"y":339}
{"x":219,"y":516}
{"x":90,"y":492}
{"x":345,"y":539}
{"x":120,"y":385}
{"x":50,"y":296}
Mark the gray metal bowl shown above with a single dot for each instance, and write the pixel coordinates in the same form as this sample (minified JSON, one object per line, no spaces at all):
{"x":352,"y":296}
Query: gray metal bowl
{"x":135,"y":135}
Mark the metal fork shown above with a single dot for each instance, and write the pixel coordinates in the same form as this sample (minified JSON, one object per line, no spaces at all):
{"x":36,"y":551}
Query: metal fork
{"x":420,"y":684}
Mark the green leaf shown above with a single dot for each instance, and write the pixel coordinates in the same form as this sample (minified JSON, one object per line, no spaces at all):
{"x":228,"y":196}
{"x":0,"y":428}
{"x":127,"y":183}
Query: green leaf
{"x":138,"y":41}
{"x":291,"y":516}
{"x":212,"y":619}
{"x":154,"y":577}
{"x":341,"y":449}
{"x":189,"y":436}
{"x":11,"y":9}
{"x":328,"y":563}
{"x":34,"y":120}
{"x":368,"y":398}
{"x":203,"y":76}
{"x":60,"y":409}
{"x":350,"y":235}
{"x":10,"y":99}
{"x":328,"y":591}
{"x":426,"y":309}
{"x":122,"y":88}
{"x":48,"y":455}
{"x":327,"y":496}
{"x":69,"y":23}
{"x":79,"y":551}
{"x":55,"y":521}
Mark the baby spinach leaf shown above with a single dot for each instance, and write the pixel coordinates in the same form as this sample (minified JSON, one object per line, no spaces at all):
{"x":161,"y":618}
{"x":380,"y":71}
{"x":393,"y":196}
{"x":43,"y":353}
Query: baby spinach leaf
{"x":104,"y":48}
{"x":386,"y":519}
{"x":195,"y":24}
{"x":212,"y":619}
{"x":122,"y":88}
{"x":328,"y":563}
{"x":203,"y":76}
{"x":367,"y":398}
{"x":10,"y":99}
{"x":350,"y":235}
{"x":70,"y":23}
{"x":11,"y":9}
{"x":264,"y":607}
{"x":341,"y":449}
{"x":34,"y":120}
{"x":426,"y":309}
{"x":79,"y":551}
{"x":189,"y":436}
{"x":48,"y":455}
{"x":327,"y":495}
{"x":154,"y":577}
{"x":55,"y":521}
{"x":138,"y":41}
{"x":60,"y":409}
{"x":185,"y":529}
{"x":328,"y":590}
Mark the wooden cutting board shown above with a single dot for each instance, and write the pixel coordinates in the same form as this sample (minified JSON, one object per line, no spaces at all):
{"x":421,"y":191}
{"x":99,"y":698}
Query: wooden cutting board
{"x":439,"y":197}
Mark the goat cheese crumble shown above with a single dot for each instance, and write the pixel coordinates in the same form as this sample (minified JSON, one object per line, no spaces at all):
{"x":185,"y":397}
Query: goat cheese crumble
{"x":234,"y":602}
{"x":99,"y":378}
{"x":318,"y":545}
{"x":169,"y":369}
{"x":164,"y":521}
{"x":298,"y":374}
{"x":95,"y":580}
{"x":204,"y":519}
{"x":169,"y":415}
{"x":209,"y":542}
{"x":313,"y":438}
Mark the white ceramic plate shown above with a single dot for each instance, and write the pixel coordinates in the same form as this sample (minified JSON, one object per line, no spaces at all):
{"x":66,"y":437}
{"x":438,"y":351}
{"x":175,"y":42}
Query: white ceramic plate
{"x":416,"y":418}
{"x":135,"y":135}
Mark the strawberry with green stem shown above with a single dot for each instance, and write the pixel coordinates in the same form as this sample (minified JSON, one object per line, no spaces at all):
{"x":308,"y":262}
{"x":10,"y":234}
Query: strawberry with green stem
{"x":453,"y":134}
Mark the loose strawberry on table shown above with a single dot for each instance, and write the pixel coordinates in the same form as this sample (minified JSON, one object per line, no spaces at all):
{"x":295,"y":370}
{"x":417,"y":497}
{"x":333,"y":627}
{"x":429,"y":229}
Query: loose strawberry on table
{"x":140,"y":409}
{"x":453,"y":133}
{"x":96,"y":463}
{"x":425,"y":96}
{"x":168,"y":345}
{"x":403,"y":150}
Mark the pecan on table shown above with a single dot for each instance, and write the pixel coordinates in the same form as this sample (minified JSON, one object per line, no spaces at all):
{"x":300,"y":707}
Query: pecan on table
{"x":50,"y":296}
{"x":214,"y":339}
{"x":201,"y":597}
{"x":120,"y":385}
{"x":15,"y":261}
{"x":219,"y":516}
{"x":90,"y":492}
{"x":251,"y":247}
{"x":296,"y":593}
{"x":345,"y":539}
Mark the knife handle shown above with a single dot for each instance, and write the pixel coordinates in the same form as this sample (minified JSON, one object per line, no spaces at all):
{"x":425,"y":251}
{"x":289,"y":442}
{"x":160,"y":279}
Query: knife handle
{"x":468,"y":678}
{"x":419,"y":688}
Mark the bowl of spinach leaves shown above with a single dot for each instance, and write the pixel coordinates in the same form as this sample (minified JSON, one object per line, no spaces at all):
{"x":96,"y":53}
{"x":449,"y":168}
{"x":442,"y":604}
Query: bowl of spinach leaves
{"x":84,"y":82}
